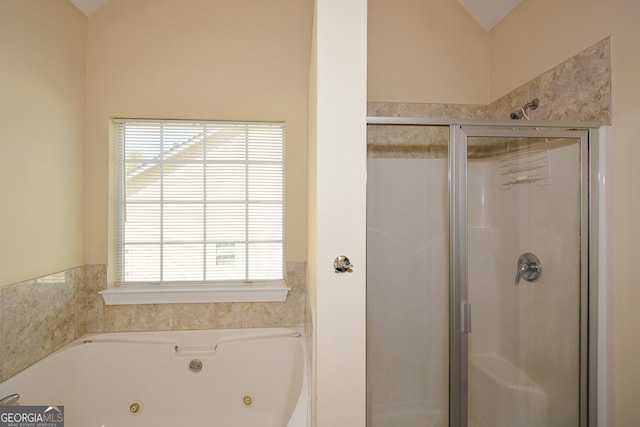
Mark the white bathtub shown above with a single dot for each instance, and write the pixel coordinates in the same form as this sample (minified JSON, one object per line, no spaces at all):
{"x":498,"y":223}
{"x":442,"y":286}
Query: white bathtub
{"x":249,"y":377}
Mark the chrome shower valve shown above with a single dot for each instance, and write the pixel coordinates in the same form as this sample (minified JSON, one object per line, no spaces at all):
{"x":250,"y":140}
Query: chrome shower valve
{"x":529,"y":268}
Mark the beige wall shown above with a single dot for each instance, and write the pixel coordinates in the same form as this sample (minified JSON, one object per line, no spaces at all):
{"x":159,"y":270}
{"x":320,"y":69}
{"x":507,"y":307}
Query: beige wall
{"x":426,"y":51}
{"x":42,"y":108}
{"x":216,"y":59}
{"x":554,"y":31}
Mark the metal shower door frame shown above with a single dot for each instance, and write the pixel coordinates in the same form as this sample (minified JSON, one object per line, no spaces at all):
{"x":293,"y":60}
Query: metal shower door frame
{"x":459,"y":131}
{"x":459,"y":315}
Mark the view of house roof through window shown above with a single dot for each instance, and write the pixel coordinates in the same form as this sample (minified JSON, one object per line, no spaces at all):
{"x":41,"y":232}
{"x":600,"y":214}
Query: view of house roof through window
{"x":199,"y":201}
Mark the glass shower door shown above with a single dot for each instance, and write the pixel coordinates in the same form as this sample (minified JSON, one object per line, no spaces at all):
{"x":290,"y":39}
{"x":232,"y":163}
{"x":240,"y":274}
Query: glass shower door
{"x":480,"y":298}
{"x":407,"y":276}
{"x":523,"y":309}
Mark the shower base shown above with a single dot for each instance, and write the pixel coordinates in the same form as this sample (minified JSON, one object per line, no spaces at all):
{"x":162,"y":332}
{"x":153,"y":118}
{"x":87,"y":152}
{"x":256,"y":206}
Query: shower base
{"x":422,"y":413}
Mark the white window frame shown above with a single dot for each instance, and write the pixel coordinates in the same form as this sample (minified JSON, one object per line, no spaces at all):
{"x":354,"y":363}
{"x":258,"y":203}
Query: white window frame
{"x":236,"y":289}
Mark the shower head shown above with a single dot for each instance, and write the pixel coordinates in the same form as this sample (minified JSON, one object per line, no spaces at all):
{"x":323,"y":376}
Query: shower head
{"x":517,"y":115}
{"x":522,"y":112}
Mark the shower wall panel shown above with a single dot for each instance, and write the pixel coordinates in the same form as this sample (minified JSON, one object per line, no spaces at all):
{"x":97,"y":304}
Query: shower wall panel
{"x":407,"y":292}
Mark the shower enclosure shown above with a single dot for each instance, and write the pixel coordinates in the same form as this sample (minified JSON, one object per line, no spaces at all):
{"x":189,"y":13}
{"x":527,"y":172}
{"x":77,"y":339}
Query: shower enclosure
{"x":481,"y":274}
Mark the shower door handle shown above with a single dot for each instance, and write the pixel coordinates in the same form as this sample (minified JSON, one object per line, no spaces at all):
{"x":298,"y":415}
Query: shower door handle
{"x":465,"y":318}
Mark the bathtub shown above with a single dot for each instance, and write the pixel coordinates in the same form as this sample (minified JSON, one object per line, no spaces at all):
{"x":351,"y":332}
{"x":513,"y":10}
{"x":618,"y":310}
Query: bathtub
{"x":222,"y":378}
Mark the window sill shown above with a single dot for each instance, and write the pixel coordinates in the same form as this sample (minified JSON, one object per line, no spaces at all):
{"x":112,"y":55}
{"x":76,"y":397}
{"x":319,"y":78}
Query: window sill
{"x":184,"y":294}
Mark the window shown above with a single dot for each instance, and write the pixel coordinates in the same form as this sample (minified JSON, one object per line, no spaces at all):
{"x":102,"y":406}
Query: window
{"x":199,"y":202}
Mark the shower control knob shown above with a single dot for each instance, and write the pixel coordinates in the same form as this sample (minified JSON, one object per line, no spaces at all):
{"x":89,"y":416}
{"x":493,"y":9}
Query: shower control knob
{"x":529,"y":268}
{"x":342,"y":264}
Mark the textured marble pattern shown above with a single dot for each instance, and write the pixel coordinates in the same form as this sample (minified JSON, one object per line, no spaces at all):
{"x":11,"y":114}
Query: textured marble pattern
{"x":90,"y":303}
{"x":40,"y":316}
{"x":287,"y":313}
{"x":407,"y":141}
{"x":394,"y":109}
{"x":142,"y":317}
{"x":415,"y":142}
{"x":207,"y":316}
{"x":155,"y":317}
{"x":427,"y":142}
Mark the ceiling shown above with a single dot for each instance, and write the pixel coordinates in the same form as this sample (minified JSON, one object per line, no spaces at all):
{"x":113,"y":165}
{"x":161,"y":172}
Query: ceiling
{"x":487,"y":12}
{"x":88,"y":6}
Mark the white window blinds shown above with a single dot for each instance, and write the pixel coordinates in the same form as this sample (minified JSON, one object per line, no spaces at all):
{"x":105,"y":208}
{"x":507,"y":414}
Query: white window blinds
{"x":199,"y":201}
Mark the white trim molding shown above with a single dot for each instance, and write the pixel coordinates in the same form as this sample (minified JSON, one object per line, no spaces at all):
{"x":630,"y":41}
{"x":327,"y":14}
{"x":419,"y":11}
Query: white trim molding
{"x":167,"y":294}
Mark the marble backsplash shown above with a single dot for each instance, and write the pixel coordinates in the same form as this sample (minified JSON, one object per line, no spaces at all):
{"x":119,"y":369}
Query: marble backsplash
{"x":579,"y":89}
{"x":42,"y":315}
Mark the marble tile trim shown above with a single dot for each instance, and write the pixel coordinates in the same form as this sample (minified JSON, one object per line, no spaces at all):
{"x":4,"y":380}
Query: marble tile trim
{"x":579,"y":89}
{"x":40,"y":316}
{"x":156,"y":317}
